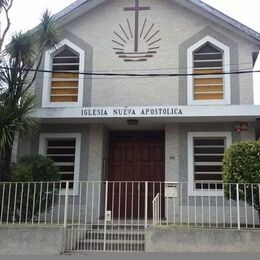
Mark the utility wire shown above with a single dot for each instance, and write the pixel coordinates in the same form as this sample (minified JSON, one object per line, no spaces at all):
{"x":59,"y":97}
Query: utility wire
{"x":136,"y":74}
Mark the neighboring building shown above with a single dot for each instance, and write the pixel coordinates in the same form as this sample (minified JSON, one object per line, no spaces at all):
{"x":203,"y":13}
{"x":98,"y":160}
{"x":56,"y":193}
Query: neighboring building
{"x":145,"y":128}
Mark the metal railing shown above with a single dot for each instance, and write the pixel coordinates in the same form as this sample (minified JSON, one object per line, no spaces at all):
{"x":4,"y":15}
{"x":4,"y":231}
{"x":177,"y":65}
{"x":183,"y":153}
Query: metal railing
{"x":105,"y":215}
{"x":156,"y":210}
{"x":218,"y":205}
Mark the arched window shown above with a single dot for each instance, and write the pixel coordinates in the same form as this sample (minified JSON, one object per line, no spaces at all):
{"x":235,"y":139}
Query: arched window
{"x":208,"y":60}
{"x":65,"y":77}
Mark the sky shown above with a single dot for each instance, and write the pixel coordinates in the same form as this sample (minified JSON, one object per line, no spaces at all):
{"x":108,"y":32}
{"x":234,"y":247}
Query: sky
{"x":26,"y":14}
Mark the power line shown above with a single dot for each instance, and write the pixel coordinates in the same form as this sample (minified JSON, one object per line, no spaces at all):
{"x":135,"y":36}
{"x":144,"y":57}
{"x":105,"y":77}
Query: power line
{"x":137,"y":74}
{"x":174,"y":68}
{"x":107,"y":77}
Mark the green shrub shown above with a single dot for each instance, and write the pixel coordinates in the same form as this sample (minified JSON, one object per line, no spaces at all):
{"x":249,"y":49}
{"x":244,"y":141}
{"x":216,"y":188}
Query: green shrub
{"x":241,"y":164}
{"x":32,"y":194}
{"x":34,"y":168}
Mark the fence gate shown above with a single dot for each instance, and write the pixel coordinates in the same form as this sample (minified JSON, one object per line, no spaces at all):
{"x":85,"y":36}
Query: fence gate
{"x":107,"y":216}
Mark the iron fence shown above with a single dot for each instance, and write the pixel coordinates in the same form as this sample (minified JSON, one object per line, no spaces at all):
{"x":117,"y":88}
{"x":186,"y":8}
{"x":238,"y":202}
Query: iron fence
{"x":112,"y":216}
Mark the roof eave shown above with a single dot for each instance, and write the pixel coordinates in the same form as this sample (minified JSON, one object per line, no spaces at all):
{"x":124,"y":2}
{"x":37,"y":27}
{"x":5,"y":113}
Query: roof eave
{"x":214,"y":14}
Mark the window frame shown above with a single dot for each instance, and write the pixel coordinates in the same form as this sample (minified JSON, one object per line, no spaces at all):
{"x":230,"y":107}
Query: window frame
{"x":191,"y":182}
{"x":43,"y":151}
{"x":226,"y":77}
{"x":47,"y":76}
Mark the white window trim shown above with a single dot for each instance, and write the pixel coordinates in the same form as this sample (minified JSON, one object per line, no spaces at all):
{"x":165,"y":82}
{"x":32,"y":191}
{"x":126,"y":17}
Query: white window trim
{"x":43,"y":150}
{"x":191,"y":136}
{"x":47,"y":77}
{"x":226,"y":77}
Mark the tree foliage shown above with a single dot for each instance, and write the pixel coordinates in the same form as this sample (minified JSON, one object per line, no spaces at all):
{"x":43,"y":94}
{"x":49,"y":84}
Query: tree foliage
{"x":19,"y":67}
{"x":241,"y":165}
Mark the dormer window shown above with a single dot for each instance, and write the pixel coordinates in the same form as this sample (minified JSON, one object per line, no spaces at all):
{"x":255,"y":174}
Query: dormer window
{"x":208,"y":60}
{"x":63,"y":86}
{"x":65,"y":77}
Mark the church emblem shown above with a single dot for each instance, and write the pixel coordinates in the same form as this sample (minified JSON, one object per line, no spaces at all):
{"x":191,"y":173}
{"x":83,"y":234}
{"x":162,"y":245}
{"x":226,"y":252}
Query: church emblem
{"x":138,"y":40}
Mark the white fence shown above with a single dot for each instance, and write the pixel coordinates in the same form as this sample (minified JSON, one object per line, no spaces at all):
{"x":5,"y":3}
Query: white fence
{"x":113,"y":215}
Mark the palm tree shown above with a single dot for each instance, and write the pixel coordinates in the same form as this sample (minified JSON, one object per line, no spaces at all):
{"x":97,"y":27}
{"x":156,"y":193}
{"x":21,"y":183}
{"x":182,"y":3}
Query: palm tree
{"x":22,"y":58}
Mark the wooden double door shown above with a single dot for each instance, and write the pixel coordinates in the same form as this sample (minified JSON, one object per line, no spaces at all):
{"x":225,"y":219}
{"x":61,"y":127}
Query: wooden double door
{"x":135,"y":158}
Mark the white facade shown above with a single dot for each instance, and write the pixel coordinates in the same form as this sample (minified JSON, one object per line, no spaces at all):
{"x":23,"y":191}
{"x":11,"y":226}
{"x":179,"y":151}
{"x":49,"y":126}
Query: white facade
{"x":168,"y":34}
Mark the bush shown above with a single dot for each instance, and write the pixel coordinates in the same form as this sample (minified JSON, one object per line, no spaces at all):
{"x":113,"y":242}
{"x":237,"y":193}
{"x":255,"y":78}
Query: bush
{"x":35,"y":168}
{"x":241,"y":164}
{"x":32,"y":194}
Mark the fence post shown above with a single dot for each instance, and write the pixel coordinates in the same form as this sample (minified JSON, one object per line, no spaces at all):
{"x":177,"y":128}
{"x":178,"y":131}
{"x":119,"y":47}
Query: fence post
{"x":105,"y":217}
{"x":66,"y":205}
{"x":238,"y":207}
{"x":146,"y":205}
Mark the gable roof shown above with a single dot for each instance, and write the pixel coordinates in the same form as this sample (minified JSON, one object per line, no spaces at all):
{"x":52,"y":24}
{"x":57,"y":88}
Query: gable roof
{"x":81,"y":6}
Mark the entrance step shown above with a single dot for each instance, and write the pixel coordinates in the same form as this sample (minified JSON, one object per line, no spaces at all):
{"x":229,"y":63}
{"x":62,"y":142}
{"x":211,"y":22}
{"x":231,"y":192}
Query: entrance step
{"x":123,"y":240}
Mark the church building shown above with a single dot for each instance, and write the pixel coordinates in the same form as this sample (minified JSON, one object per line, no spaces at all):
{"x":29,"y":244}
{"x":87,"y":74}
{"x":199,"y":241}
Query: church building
{"x":145,"y":90}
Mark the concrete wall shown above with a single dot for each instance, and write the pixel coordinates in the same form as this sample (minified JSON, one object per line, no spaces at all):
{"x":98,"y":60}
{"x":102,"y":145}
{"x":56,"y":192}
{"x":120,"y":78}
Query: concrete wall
{"x":168,"y":239}
{"x":31,"y":240}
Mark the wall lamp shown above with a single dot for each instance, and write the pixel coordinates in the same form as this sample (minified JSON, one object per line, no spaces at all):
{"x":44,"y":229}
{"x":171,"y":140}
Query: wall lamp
{"x":132,"y":122}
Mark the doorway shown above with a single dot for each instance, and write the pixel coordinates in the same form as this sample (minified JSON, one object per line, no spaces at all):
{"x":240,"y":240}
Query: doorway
{"x":135,"y":158}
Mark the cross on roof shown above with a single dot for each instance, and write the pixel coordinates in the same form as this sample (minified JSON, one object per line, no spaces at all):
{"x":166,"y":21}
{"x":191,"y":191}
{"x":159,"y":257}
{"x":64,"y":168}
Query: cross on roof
{"x":136,"y":9}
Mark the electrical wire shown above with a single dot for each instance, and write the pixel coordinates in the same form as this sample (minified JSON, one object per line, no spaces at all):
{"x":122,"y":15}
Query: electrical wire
{"x":136,"y":74}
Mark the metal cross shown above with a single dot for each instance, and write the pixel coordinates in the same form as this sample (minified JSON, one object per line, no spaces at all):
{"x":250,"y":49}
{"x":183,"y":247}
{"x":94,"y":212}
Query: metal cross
{"x":136,"y":9}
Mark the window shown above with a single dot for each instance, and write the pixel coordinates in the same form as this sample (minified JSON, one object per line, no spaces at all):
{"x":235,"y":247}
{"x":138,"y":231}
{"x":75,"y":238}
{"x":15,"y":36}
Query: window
{"x":64,"y":86}
{"x":206,"y":151}
{"x":207,"y":60}
{"x":208,"y":56}
{"x":64,"y":150}
{"x":63,"y":89}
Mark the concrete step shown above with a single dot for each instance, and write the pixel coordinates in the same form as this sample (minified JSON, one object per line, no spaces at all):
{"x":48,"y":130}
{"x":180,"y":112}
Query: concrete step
{"x":110,"y":245}
{"x":115,"y":235}
{"x":116,"y":240}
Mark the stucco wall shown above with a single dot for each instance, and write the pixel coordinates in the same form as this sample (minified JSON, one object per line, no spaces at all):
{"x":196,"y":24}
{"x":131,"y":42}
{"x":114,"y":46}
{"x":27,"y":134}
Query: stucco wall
{"x":177,"y":26}
{"x":201,"y":240}
{"x":95,"y":146}
{"x":31,"y":240}
{"x":176,"y":147}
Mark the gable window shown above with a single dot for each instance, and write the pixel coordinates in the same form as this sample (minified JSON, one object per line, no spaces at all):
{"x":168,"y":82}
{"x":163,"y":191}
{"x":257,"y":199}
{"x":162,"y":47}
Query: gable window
{"x":208,"y":59}
{"x":65,"y":77}
{"x":206,"y":151}
{"x":63,"y":87}
{"x":64,"y":150}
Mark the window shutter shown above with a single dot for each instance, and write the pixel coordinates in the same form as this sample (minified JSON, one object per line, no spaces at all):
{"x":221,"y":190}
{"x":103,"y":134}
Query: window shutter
{"x":65,"y":77}
{"x":206,"y":60}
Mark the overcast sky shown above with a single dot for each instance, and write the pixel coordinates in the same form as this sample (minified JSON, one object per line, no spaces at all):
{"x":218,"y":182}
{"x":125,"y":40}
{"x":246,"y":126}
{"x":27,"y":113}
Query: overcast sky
{"x":26,"y":14}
